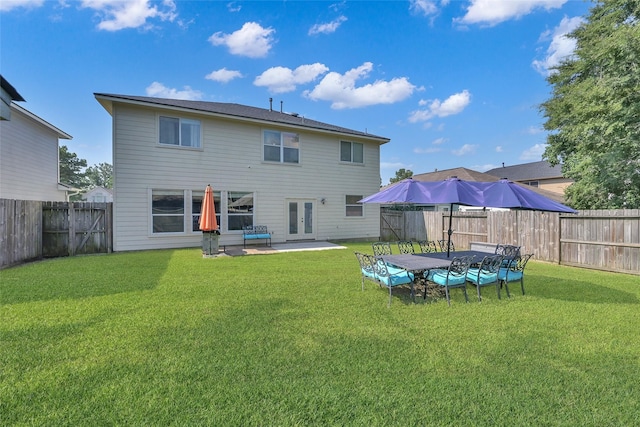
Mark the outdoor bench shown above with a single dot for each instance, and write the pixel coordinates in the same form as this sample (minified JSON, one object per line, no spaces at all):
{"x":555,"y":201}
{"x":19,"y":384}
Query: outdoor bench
{"x":255,"y":232}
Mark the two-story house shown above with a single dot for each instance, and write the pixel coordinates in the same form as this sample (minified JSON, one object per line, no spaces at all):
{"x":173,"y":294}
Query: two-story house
{"x":29,"y":154}
{"x":300,"y":177}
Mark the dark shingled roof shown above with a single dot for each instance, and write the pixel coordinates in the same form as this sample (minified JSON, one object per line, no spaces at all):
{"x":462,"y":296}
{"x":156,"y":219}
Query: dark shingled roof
{"x":7,"y":87}
{"x":471,"y":175}
{"x":528,"y":171}
{"x":460,"y":173}
{"x":235,"y":111}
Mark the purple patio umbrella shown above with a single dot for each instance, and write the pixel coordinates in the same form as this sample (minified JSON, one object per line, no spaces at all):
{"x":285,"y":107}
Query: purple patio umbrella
{"x":508,"y":194}
{"x":405,"y":191}
{"x":450,"y":191}
{"x":500,"y":194}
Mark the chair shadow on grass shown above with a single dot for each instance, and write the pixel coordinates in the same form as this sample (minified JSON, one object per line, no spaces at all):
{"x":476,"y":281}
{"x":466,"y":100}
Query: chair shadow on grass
{"x":573,"y":290}
{"x":65,"y":278}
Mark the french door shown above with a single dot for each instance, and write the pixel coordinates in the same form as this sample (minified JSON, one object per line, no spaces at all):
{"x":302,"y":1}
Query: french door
{"x":301,"y":223}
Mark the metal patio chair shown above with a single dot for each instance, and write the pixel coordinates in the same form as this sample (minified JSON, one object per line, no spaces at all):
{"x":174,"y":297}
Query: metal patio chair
{"x":427,"y":246}
{"x":453,"y":277}
{"x":381,"y":248}
{"x":406,"y":247}
{"x":513,"y":272}
{"x":486,"y":274}
{"x":443,"y":246}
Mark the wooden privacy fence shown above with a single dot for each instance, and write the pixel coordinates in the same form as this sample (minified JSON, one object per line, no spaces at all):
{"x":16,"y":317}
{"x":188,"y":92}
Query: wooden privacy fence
{"x":72,"y":228}
{"x":32,"y":230}
{"x":600,"y":239}
{"x":20,"y":231}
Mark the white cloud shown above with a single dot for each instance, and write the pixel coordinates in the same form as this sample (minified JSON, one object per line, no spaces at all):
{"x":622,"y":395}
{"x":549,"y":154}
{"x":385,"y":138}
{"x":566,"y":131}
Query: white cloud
{"x":464,"y":150}
{"x":341,"y":89}
{"x":157,"y":89}
{"x":282,"y":79}
{"x":6,"y":5}
{"x":439,"y":141}
{"x":120,"y":14}
{"x":534,"y":130}
{"x":493,"y":12}
{"x":223,"y":75}
{"x":534,"y":153}
{"x":423,"y":7}
{"x":328,"y":28}
{"x":560,"y":47}
{"x":452,"y":105}
{"x":428,"y":150}
{"x":251,"y":40}
{"x":233,"y":7}
{"x":499,"y":149}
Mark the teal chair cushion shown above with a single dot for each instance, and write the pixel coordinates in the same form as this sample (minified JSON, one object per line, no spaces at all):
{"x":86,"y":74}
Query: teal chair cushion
{"x":368,"y":273}
{"x":397,"y":276}
{"x":512,"y":276}
{"x":440,"y":277}
{"x":484,"y":279}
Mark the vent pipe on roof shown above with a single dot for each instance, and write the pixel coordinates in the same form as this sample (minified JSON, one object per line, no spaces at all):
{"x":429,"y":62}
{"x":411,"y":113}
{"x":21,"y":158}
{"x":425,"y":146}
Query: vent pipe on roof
{"x":270,"y":104}
{"x":281,"y":102}
{"x":502,"y":164}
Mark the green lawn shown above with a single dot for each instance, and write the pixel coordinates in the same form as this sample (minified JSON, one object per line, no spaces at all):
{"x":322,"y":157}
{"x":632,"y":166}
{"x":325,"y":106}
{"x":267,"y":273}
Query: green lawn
{"x":170,"y":338}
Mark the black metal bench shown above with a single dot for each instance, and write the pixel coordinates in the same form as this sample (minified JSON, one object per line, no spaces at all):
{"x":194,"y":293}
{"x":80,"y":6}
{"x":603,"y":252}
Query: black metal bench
{"x":255,"y":232}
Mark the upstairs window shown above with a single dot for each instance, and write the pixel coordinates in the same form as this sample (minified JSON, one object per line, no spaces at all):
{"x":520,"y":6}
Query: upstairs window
{"x":282,"y":147}
{"x":179,"y":132}
{"x":351,"y":152}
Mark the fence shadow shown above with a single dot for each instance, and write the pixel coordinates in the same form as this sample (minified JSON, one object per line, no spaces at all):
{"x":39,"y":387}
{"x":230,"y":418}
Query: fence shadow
{"x":83,"y":277}
{"x":575,"y":291}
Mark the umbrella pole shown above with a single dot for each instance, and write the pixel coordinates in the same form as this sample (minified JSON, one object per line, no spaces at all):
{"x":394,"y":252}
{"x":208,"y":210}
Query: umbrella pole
{"x":449,"y":231}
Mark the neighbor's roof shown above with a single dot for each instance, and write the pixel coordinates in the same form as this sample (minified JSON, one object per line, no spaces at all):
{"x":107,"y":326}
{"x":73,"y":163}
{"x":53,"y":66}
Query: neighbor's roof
{"x":528,"y":171}
{"x":461,"y":173}
{"x":471,"y":175}
{"x":234,"y":111}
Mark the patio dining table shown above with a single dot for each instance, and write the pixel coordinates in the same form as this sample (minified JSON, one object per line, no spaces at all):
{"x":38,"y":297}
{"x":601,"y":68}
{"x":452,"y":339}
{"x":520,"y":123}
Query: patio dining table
{"x":429,"y":261}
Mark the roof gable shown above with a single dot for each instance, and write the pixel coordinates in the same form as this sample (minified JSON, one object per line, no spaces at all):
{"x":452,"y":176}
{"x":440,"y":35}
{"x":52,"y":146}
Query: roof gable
{"x":234,"y":111}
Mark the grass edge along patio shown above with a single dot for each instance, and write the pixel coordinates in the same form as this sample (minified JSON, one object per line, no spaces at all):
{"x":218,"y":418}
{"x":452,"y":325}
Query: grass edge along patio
{"x":168,"y":337}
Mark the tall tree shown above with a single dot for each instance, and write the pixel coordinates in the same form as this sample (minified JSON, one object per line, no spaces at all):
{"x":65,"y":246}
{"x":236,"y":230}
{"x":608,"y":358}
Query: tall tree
{"x":400,"y":175}
{"x":71,"y":168}
{"x":100,"y":175}
{"x":594,"y":112}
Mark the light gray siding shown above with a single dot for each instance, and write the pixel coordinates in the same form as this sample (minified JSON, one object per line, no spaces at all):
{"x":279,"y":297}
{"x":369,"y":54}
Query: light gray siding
{"x":28,"y":160}
{"x":230,"y":159}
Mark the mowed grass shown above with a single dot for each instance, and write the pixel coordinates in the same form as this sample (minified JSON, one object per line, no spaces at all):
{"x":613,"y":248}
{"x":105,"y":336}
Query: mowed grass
{"x":170,"y":338}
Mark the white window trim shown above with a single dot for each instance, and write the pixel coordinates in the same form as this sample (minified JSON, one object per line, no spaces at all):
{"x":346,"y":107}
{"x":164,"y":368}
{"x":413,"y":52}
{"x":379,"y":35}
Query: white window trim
{"x":180,"y":146}
{"x":350,"y":162}
{"x":353,"y":204}
{"x":186,"y":215}
{"x":282,"y":147}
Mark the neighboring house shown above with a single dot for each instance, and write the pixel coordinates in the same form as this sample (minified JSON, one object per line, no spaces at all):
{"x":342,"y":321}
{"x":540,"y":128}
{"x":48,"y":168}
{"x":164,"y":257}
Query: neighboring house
{"x":7,"y":94}
{"x":536,"y":174}
{"x":299,"y":177}
{"x":29,"y":156}
{"x":98,"y":195}
{"x":471,"y":175}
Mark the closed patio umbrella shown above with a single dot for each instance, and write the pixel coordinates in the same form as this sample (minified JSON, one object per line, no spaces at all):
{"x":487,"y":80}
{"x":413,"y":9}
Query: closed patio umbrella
{"x":208,"y":223}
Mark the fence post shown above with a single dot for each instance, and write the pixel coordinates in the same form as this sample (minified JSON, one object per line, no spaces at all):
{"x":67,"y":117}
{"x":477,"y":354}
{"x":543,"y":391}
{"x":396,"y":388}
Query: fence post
{"x":72,"y":229}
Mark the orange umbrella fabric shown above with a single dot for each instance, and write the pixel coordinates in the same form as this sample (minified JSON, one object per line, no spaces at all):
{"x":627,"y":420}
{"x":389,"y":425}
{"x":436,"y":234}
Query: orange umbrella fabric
{"x":208,"y":221}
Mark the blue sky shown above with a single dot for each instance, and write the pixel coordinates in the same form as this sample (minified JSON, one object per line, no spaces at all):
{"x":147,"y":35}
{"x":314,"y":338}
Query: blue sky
{"x":451,"y":83}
